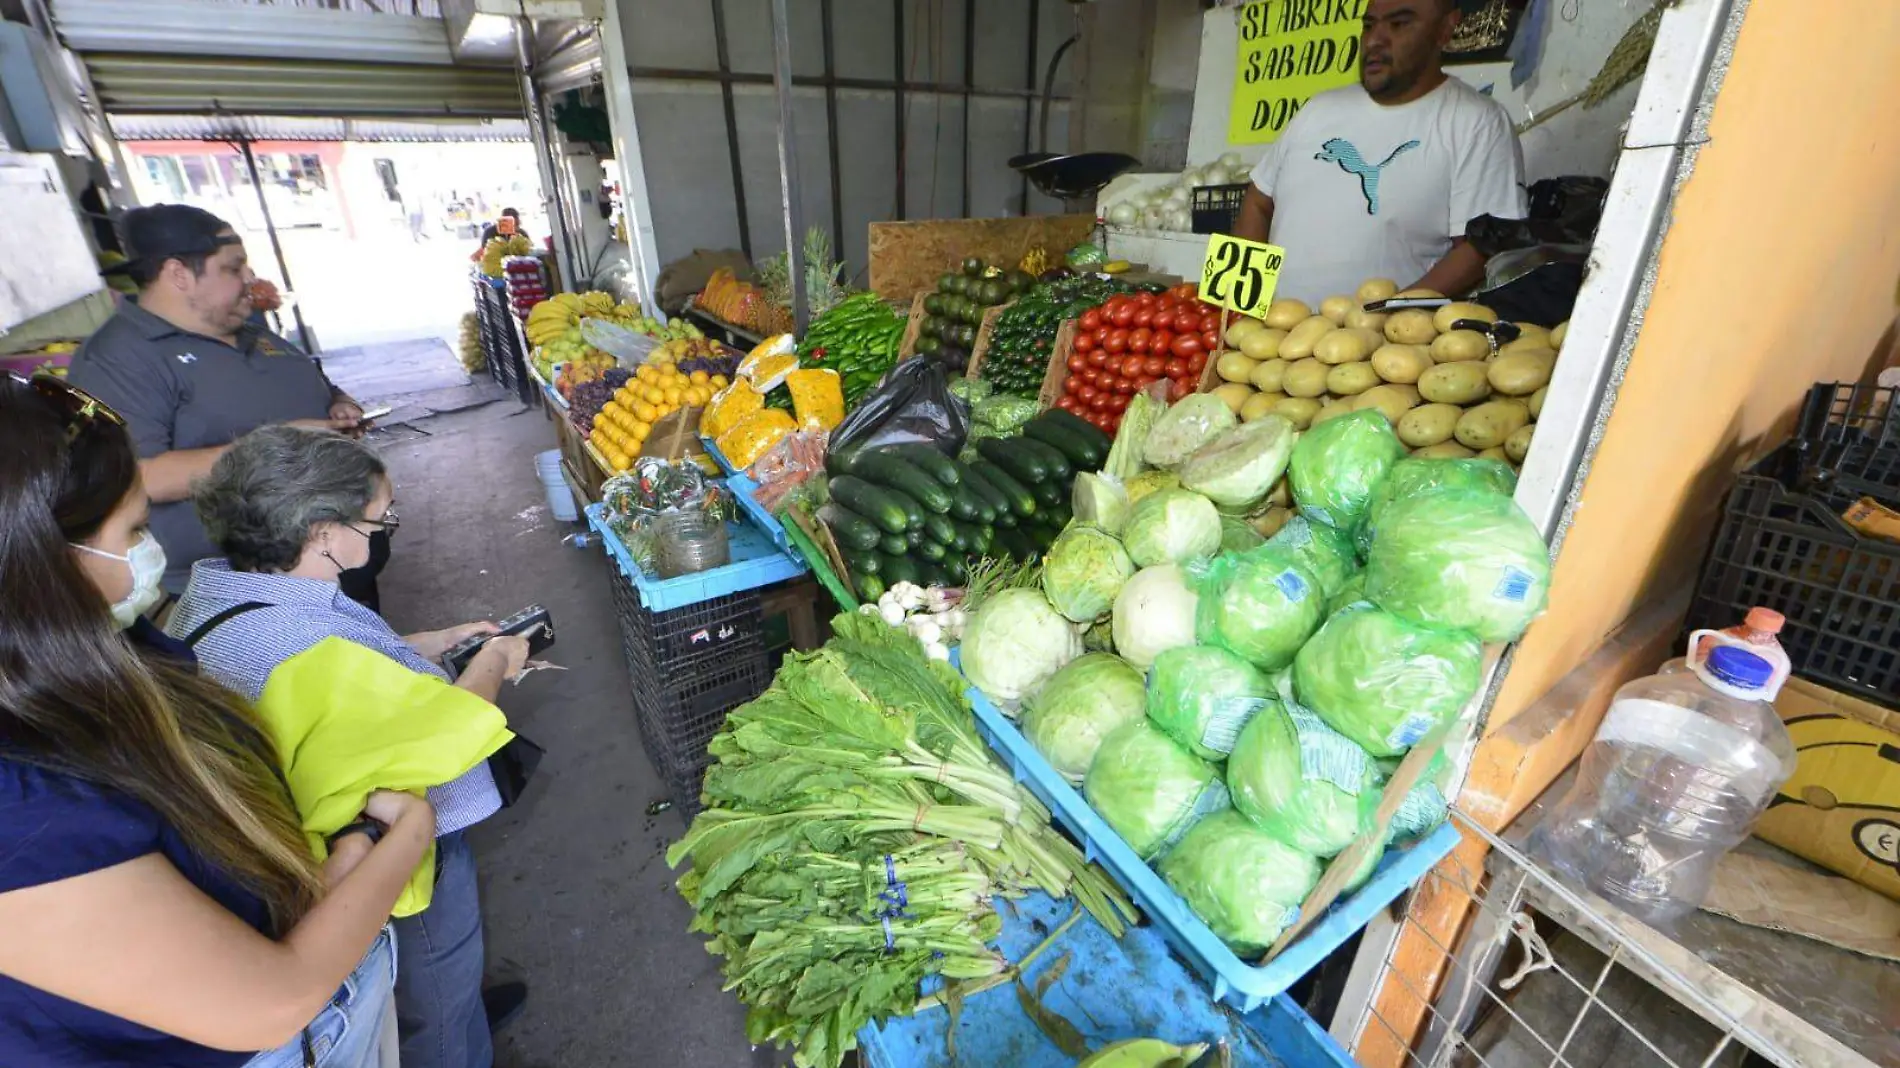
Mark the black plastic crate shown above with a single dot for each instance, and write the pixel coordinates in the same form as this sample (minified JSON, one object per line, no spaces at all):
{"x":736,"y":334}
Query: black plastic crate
{"x":1215,"y":208}
{"x":677,"y":639}
{"x":680,"y":714}
{"x":1790,"y":551}
{"x":1847,"y":445}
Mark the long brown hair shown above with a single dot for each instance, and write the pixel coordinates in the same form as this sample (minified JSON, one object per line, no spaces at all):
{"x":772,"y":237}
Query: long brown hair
{"x":78,"y":698}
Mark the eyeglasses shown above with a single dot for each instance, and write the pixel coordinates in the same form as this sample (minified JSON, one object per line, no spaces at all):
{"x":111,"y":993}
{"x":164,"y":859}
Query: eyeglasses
{"x":388,"y":524}
{"x":78,"y":408}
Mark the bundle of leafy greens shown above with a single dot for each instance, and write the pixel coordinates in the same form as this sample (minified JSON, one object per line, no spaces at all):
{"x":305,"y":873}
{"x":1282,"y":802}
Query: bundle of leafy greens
{"x":855,"y":831}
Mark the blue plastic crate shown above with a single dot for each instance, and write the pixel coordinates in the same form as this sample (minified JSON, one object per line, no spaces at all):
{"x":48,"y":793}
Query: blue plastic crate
{"x":1238,"y":982}
{"x":755,"y":562}
{"x":742,"y":488}
{"x":719,"y":458}
{"x":1111,"y":990}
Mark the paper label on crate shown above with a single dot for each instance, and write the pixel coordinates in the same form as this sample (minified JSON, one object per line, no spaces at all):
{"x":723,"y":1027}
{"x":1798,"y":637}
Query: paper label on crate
{"x":1213,"y":799}
{"x":1513,"y":585}
{"x":1223,"y":727}
{"x":1327,"y":755}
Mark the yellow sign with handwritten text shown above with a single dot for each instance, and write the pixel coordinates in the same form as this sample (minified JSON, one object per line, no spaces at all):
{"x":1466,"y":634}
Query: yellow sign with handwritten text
{"x":1290,"y":50}
{"x":1240,"y":275}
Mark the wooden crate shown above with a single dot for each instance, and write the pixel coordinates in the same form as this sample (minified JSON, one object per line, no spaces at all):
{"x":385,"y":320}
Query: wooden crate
{"x":983,"y":332}
{"x":1057,"y":375}
{"x":907,"y":257}
{"x":907,"y":347}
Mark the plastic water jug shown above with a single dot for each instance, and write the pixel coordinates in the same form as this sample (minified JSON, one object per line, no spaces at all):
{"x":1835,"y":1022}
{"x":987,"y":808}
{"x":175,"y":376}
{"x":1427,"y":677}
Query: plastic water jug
{"x":1680,"y":769}
{"x":1756,"y":633}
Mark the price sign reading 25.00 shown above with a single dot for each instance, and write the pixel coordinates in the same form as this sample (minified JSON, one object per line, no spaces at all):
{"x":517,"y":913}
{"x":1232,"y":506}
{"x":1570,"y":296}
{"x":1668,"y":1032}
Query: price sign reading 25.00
{"x":1240,"y":275}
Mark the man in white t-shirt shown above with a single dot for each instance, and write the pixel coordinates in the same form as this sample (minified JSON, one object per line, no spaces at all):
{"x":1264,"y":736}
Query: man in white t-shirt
{"x":1377,"y":180}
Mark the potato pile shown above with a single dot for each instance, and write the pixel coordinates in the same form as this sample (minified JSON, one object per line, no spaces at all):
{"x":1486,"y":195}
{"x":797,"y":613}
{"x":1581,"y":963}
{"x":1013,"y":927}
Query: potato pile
{"x":1445,"y":390}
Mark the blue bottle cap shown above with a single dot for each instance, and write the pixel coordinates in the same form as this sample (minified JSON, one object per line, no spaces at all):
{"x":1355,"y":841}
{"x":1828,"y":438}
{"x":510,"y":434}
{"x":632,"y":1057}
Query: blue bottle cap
{"x":1739,"y":667}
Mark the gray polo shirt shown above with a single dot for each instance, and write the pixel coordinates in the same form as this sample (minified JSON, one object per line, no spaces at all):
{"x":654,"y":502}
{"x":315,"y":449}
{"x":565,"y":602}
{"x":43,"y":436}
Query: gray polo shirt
{"x":179,"y":390}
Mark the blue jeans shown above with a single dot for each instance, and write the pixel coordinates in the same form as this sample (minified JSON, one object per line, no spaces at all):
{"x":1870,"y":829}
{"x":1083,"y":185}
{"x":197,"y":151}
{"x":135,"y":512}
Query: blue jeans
{"x":439,"y":981}
{"x":349,"y":1032}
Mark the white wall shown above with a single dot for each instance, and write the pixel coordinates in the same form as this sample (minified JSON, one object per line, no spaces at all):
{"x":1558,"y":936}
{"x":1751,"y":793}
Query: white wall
{"x":1579,"y":141}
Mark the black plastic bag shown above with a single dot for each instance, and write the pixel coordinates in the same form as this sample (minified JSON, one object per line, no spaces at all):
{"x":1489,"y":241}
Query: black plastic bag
{"x":912,"y":403}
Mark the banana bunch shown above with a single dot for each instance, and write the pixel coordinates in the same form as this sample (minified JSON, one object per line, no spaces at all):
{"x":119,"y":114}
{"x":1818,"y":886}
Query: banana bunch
{"x":1035,"y":261}
{"x":473,"y":357}
{"x":596,"y":305}
{"x":550,"y":319}
{"x":499,"y":248}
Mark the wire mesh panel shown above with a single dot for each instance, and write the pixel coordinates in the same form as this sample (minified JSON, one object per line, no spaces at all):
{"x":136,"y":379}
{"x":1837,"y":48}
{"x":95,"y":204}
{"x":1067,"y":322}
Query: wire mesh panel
{"x":1542,"y":975}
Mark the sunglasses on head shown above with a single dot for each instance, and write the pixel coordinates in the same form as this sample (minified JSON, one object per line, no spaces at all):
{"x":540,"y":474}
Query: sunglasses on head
{"x":78,"y":408}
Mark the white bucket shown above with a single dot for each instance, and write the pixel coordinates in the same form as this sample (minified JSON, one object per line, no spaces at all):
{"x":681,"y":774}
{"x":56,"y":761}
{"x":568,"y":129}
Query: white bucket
{"x":560,"y":497}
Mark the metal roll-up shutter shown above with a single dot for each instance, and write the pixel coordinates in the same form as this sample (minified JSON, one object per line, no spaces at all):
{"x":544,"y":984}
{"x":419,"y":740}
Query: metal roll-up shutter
{"x":129,"y":84}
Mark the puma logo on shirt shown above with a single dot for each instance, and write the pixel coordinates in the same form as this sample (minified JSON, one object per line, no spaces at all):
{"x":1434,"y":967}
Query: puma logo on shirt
{"x":1341,"y":151}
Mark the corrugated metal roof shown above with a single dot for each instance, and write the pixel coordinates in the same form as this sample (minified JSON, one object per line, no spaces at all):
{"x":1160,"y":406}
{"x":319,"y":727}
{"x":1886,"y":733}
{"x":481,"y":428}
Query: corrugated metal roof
{"x":212,"y":85}
{"x":289,"y":128}
{"x":178,"y":27}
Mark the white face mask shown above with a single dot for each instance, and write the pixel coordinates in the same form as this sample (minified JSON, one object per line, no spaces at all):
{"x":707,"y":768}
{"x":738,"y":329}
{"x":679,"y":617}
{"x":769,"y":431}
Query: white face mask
{"x":146,"y":560}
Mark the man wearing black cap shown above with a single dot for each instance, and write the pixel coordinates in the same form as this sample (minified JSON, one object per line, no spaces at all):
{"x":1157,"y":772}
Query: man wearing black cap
{"x":190,"y":374}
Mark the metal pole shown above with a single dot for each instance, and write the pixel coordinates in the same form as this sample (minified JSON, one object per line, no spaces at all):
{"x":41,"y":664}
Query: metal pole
{"x":732,"y":126}
{"x":636,"y":208}
{"x":1029,"y":101}
{"x":788,"y":163}
{"x":969,"y":76}
{"x":897,"y":54}
{"x":276,"y":246}
{"x":831,"y":134}
{"x":544,"y":159}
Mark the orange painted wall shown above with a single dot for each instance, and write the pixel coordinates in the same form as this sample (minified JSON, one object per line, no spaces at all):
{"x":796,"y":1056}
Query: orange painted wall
{"x":1780,"y":269}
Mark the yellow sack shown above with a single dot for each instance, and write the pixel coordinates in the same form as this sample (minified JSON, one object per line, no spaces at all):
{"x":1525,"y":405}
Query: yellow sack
{"x":349,"y":721}
{"x":817,"y":397}
{"x":754,"y":436}
{"x":728,"y":406}
{"x":769,"y":362}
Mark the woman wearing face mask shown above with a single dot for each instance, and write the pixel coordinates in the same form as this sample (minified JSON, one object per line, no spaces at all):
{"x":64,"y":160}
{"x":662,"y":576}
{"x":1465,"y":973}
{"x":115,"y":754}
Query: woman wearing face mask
{"x":292,"y":509}
{"x":159,"y":901}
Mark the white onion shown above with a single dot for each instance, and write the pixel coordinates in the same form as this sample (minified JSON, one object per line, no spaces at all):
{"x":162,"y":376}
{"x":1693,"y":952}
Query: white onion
{"x":1230,"y":160}
{"x":1240,"y":173}
{"x":1124,"y":214}
{"x":1152,"y":216}
{"x":1176,"y":199}
{"x":1178,"y":219}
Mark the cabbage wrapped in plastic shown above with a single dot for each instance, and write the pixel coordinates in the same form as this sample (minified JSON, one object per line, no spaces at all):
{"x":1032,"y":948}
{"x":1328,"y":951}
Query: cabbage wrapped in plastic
{"x":1460,"y":558}
{"x":1352,"y":592}
{"x":1190,"y":423}
{"x":1201,"y":696}
{"x":1337,"y":464}
{"x":1243,"y":883}
{"x":1172,"y":526}
{"x":1237,"y":535}
{"x":1079,"y":706}
{"x":1414,"y":475}
{"x":1083,"y":571}
{"x":1099,"y":501}
{"x":1149,"y":789}
{"x":1425,"y":805}
{"x":1385,"y":682}
{"x":1301,"y":781}
{"x":1261,"y":605}
{"x":1238,"y":468}
{"x":1156,"y":610}
{"x":1326,"y":552}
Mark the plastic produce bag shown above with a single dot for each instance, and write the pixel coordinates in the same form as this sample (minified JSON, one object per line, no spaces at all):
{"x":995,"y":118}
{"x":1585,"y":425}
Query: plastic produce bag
{"x":1237,"y":469}
{"x":1301,"y":781}
{"x":1172,"y":526}
{"x":629,"y":348}
{"x":1192,"y":422}
{"x":1083,"y":571}
{"x":1261,"y":604}
{"x":1149,"y":789}
{"x":1414,"y":476}
{"x":1461,"y":558}
{"x":1425,"y":805}
{"x":1237,"y":535}
{"x":1384,"y":682}
{"x":1003,"y":413}
{"x":1201,"y":696}
{"x":1337,"y":464}
{"x":1243,"y":883}
{"x":912,"y":403}
{"x":1079,"y":706}
{"x":1326,"y":553}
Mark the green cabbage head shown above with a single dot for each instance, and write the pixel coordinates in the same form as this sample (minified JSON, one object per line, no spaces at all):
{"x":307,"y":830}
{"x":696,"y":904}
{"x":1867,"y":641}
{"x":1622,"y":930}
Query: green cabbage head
{"x":1416,"y":475}
{"x":1243,"y":883}
{"x":1201,"y":695}
{"x":1014,"y":642}
{"x":1384,"y":682}
{"x":1067,"y":719}
{"x":1083,"y":571}
{"x":1326,"y":552}
{"x":1461,"y":558}
{"x":1301,"y":781}
{"x":1337,"y":464}
{"x":1172,"y":526}
{"x":1149,"y":789}
{"x":1261,"y":604}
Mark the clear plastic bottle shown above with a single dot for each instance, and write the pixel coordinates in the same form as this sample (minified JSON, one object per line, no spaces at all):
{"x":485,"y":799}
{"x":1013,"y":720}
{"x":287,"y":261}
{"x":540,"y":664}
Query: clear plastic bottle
{"x":1680,"y":769}
{"x":1755,"y":633}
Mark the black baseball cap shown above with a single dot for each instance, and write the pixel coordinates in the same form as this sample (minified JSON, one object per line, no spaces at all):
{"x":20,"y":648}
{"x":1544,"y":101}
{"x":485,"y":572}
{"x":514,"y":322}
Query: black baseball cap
{"x":158,"y":233}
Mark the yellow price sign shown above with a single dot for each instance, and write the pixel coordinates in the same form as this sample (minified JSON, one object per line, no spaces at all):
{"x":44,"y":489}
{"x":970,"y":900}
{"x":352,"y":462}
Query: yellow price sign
{"x":1240,"y":275}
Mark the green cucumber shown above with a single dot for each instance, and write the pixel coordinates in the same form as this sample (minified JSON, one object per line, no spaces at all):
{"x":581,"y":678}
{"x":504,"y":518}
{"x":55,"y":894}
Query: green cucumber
{"x":965,"y":504}
{"x":894,"y":544}
{"x":930,"y":550}
{"x":957,"y":567}
{"x":1057,"y":515}
{"x":898,"y":569}
{"x":891,"y":511}
{"x":870,"y":587}
{"x":941,"y":530}
{"x":1018,"y":545}
{"x":849,"y":529}
{"x":929,"y":461}
{"x":1021,"y":501}
{"x":1081,"y":427}
{"x":931,"y":574}
{"x":861,"y":563}
{"x":1050,"y":492}
{"x":972,"y":538}
{"x":1050,"y":457}
{"x":1081,"y":452}
{"x":1005,"y":520}
{"x":986,"y":492}
{"x":888,"y":471}
{"x":1021,"y":464}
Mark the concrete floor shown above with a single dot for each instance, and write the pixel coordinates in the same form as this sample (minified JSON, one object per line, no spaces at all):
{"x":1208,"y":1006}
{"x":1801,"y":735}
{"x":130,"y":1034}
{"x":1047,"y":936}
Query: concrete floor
{"x":576,"y":893}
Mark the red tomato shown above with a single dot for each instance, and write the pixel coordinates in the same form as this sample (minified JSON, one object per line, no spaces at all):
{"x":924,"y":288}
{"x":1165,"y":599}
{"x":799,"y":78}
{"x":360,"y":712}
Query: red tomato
{"x":1145,"y":297}
{"x":1145,"y":380}
{"x":1154,"y":366}
{"x":1196,"y":362}
{"x":1066,"y":403}
{"x":1178,"y":389}
{"x":1086,"y":342}
{"x":1210,"y":340}
{"x":1072,"y":385}
{"x":1144,"y":316}
{"x":1125,"y":386}
{"x":1119,"y":402}
{"x":1112,"y":424}
{"x":1117,"y":340}
{"x":1160,"y":341}
{"x":1210,"y":320}
{"x":1101,"y":402}
{"x":1077,"y":361}
{"x":1092,"y":319}
{"x":1186,"y":345}
{"x":1122,"y":315}
{"x":1185,"y":291}
{"x":1087,"y":393}
{"x":1138,"y":339}
{"x":1130,"y":366}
